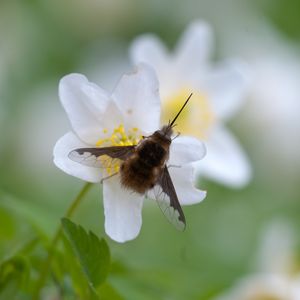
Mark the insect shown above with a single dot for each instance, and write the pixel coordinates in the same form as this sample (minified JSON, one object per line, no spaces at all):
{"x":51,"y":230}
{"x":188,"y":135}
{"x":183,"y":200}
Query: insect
{"x":143,"y":168}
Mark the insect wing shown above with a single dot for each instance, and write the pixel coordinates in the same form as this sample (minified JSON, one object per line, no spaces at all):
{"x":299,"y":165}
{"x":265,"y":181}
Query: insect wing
{"x":167,"y":200}
{"x":105,"y":157}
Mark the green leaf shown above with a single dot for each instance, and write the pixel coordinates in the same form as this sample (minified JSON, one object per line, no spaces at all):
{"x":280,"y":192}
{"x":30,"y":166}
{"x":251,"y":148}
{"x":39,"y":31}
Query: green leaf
{"x":14,"y":274}
{"x":7,"y":224}
{"x":92,"y":253}
{"x":80,"y":284}
{"x":107,"y":292}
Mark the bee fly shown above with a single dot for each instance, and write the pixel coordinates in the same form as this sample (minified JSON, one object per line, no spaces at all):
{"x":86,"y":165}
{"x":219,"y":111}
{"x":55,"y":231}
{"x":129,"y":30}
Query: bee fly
{"x":143,"y":168}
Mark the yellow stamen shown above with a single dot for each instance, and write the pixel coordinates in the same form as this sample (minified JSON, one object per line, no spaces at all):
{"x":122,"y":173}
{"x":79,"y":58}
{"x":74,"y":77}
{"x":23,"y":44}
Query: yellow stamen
{"x":119,"y":137}
{"x":196,"y":119}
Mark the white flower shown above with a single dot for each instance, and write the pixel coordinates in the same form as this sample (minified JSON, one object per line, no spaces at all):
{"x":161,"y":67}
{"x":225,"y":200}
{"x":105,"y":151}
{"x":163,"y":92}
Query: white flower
{"x":272,"y":113}
{"x":265,"y":287}
{"x":276,"y":278}
{"x":217,"y":96}
{"x":98,"y":118}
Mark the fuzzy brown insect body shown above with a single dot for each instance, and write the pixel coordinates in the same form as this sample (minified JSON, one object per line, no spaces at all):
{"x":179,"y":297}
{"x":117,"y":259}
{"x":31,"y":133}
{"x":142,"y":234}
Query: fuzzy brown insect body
{"x":143,"y":168}
{"x":141,"y":171}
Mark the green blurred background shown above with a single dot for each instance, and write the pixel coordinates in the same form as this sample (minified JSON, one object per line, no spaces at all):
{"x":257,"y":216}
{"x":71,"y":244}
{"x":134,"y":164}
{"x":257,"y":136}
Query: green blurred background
{"x":41,"y":41}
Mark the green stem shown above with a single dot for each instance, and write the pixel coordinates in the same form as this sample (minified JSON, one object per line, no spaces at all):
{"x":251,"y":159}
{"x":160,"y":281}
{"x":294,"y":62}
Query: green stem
{"x":46,"y":266}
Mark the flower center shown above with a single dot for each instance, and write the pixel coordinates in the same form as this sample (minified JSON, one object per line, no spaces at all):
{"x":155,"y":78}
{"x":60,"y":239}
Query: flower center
{"x":118,"y":137}
{"x":196,"y":119}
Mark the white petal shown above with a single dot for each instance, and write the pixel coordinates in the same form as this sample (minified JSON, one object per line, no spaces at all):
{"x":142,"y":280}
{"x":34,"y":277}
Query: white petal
{"x":183,"y":180}
{"x":185,"y":150}
{"x":225,"y":161}
{"x":137,"y":97}
{"x":260,"y":286}
{"x":123,"y":211}
{"x":149,"y":49}
{"x":85,"y":104}
{"x":276,"y":248}
{"x":226,"y":87}
{"x":61,"y":150}
{"x":295,"y":288}
{"x":112,"y":117}
{"x":194,"y":48}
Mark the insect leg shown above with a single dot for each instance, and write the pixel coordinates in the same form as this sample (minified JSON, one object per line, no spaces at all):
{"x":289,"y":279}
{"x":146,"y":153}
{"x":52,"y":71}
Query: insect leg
{"x":173,"y":166}
{"x":114,"y":174}
{"x":176,"y":136}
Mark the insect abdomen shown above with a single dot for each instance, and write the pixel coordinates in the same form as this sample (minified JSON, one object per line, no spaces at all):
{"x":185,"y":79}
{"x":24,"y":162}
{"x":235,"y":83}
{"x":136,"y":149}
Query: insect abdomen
{"x":141,"y":171}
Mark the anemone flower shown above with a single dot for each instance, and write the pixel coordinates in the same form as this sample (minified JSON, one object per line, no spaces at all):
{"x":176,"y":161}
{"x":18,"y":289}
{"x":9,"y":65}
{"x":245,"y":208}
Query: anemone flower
{"x":218,"y":94}
{"x":101,"y":119}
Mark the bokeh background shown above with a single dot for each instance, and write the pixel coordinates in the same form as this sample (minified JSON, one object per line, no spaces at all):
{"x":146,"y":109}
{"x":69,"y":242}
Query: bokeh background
{"x":41,"y":41}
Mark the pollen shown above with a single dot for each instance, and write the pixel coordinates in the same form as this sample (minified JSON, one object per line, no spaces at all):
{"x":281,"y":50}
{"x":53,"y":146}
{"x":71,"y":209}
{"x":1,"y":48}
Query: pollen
{"x":197,"y":119}
{"x":118,"y":137}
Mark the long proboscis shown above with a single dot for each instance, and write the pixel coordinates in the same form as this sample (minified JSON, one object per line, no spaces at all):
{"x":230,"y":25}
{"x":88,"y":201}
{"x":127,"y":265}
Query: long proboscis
{"x":185,"y":103}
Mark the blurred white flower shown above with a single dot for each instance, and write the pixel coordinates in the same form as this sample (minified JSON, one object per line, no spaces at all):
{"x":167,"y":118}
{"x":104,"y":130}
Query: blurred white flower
{"x":265,"y":287}
{"x":98,"y":118}
{"x":277,"y":277}
{"x":218,"y":94}
{"x":271,"y":115}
